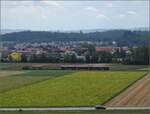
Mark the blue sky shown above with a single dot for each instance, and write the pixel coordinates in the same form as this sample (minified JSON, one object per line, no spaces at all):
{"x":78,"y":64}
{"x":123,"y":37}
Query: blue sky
{"x":73,"y":15}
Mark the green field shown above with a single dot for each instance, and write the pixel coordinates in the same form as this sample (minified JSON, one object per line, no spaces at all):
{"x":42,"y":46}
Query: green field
{"x":26,"y":78}
{"x":83,"y":88}
{"x":145,"y":69}
{"x":4,"y":66}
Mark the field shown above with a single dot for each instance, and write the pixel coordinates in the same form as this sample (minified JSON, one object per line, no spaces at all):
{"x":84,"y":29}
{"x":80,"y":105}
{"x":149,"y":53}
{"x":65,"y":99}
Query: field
{"x":63,"y":88}
{"x":145,"y":69}
{"x":138,"y":95}
{"x":16,"y":79}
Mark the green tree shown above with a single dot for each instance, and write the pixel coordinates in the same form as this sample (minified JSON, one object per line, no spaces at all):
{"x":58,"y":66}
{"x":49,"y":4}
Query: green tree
{"x":70,"y":58}
{"x":139,"y":55}
{"x":91,"y":54}
{"x":105,"y":57}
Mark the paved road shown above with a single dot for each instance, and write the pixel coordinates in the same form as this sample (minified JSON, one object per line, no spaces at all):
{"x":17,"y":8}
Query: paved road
{"x":128,"y":108}
{"x":47,"y":109}
{"x":72,"y":108}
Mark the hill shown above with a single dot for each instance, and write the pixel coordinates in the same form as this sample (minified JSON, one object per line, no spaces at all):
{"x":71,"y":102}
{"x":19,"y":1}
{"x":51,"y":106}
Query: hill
{"x":5,"y":31}
{"x":122,"y":37}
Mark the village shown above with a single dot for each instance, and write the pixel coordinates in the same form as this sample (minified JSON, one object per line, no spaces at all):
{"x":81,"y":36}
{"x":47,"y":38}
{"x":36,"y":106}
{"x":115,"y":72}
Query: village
{"x":71,"y":52}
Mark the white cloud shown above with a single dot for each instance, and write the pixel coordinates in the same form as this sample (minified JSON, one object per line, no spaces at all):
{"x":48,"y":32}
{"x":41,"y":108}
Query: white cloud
{"x":127,"y":13}
{"x":52,"y":3}
{"x":102,"y":16}
{"x":91,"y":8}
{"x":122,"y":15}
{"x":40,"y":3}
{"x":44,"y":17}
{"x":131,"y":12}
{"x":97,"y":13}
{"x":109,"y":4}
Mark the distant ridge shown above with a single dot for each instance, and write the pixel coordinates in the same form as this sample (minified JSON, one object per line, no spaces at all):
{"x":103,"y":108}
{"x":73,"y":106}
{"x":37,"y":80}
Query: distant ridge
{"x":5,"y":31}
{"x":122,"y":37}
{"x":141,"y":29}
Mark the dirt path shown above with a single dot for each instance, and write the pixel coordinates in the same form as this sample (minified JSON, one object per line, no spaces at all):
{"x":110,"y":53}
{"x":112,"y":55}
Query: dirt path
{"x":9,"y":73}
{"x":138,"y":95}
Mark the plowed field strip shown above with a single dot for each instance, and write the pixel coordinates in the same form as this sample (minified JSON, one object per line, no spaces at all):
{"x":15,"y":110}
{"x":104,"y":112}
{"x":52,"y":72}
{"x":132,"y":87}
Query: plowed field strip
{"x":136,"y":95}
{"x":9,"y":73}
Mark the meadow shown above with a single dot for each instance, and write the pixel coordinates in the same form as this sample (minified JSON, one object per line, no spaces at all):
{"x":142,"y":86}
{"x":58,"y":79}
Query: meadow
{"x":16,"y":79}
{"x":145,"y":69}
{"x":64,"y":88}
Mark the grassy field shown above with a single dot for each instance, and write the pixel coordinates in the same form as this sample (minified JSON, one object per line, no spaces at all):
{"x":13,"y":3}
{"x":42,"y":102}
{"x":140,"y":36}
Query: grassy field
{"x":10,"y":79}
{"x":6,"y":65}
{"x":113,"y":67}
{"x":85,"y":112}
{"x":145,"y":69}
{"x":72,"y":89}
{"x":17,"y":66}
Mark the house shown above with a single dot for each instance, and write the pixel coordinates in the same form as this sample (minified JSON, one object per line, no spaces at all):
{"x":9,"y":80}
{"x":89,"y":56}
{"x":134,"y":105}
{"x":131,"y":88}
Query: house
{"x":105,"y":49}
{"x":81,"y":57}
{"x":15,"y":56}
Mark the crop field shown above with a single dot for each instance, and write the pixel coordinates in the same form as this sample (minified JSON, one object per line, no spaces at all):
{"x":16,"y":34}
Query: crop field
{"x":5,"y":65}
{"x":137,"y":95}
{"x":15,"y":79}
{"x":145,"y":69}
{"x":63,"y":88}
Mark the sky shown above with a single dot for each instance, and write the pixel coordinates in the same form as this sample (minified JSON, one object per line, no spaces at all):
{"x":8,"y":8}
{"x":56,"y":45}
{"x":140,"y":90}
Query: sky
{"x":74,"y":15}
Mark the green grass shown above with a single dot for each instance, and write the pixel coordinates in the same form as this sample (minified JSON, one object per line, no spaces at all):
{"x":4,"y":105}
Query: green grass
{"x":85,"y":112}
{"x":122,"y":67}
{"x":6,"y":65}
{"x":78,"y":89}
{"x":13,"y":66}
{"x":145,"y":69}
{"x":28,"y":77}
{"x":51,"y":73}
